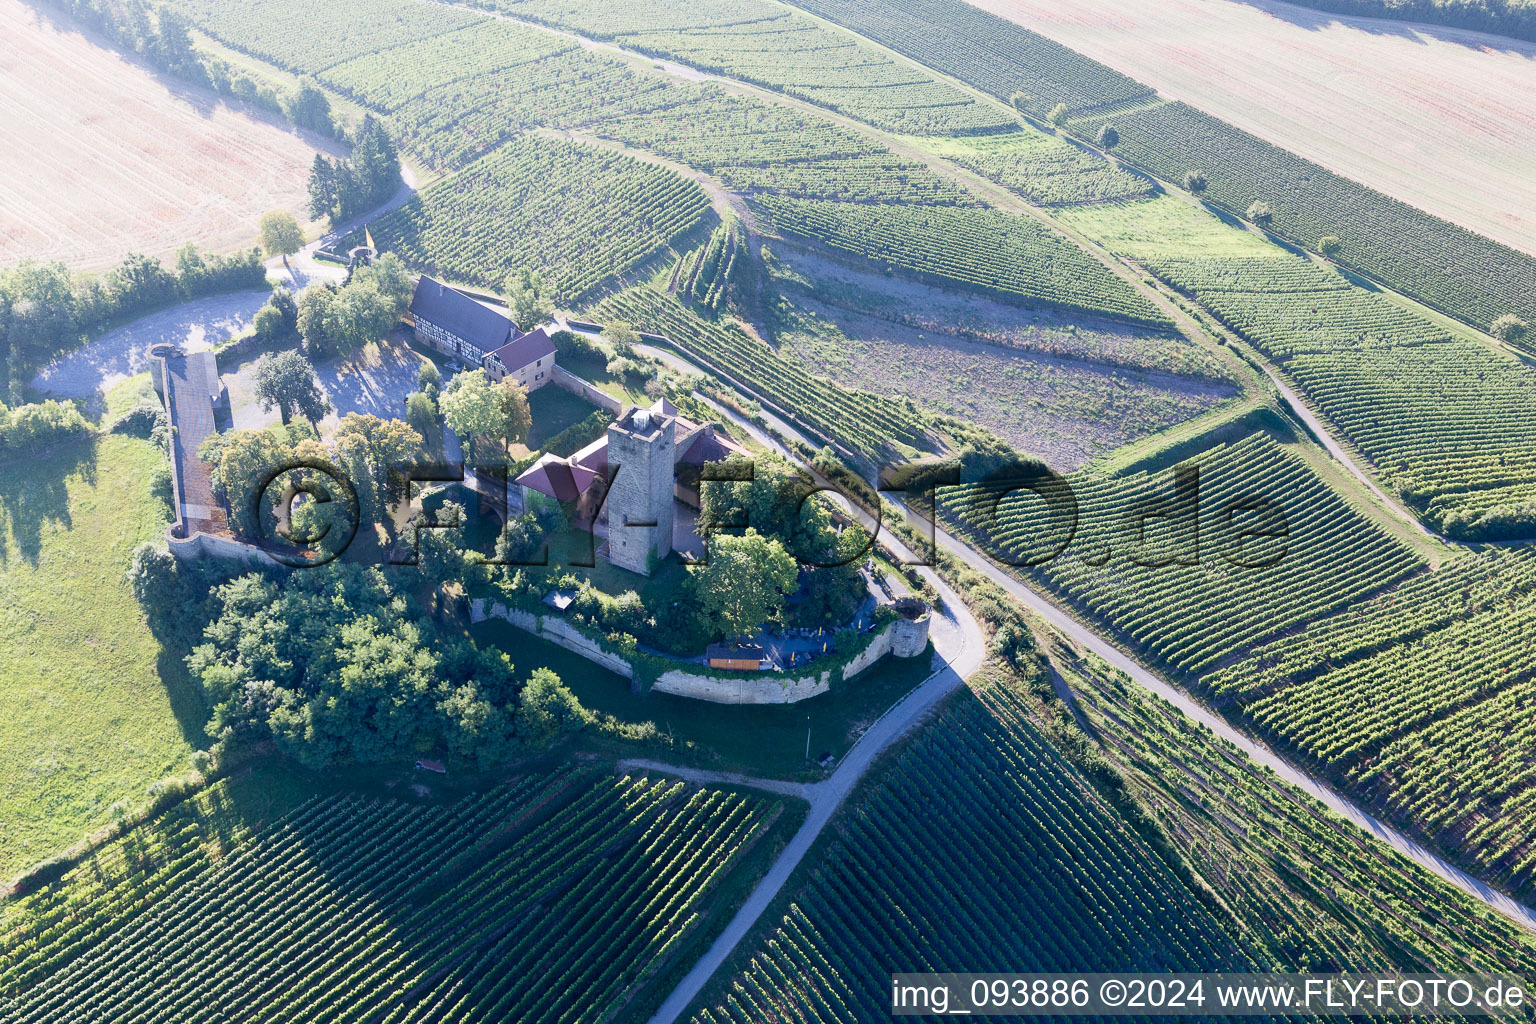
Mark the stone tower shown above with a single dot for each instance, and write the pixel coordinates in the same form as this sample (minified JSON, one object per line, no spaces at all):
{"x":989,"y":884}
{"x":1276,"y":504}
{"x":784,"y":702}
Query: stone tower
{"x":641,"y":453}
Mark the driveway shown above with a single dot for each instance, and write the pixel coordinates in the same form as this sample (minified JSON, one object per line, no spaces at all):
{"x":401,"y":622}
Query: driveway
{"x":375,"y":380}
{"x":117,"y":355}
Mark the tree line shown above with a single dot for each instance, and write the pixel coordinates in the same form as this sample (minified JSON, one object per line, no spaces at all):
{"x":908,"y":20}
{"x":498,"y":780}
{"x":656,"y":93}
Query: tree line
{"x":47,"y":310}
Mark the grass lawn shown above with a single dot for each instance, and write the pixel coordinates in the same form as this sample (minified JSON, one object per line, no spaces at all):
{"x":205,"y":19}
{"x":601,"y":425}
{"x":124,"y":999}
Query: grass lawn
{"x":554,"y":409}
{"x":594,"y":371}
{"x":1165,"y":226}
{"x":767,"y":740}
{"x":90,"y":711}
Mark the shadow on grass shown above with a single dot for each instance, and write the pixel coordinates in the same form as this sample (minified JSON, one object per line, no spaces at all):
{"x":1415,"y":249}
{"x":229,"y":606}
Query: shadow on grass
{"x":34,"y":496}
{"x":188,"y":703}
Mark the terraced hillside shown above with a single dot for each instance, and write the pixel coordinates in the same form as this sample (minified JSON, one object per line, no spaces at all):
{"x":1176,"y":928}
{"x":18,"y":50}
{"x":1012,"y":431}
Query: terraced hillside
{"x":1193,"y":563}
{"x":351,"y":908}
{"x":984,"y":844}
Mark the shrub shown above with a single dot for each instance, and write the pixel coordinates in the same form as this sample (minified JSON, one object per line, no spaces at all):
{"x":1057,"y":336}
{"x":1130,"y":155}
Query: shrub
{"x":1510,"y":328}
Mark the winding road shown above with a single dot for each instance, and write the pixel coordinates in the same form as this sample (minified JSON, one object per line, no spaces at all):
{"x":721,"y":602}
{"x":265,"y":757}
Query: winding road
{"x":958,"y":640}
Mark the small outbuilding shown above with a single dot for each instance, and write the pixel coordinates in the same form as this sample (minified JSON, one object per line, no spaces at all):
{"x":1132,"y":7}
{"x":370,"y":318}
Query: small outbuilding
{"x":738,"y":657}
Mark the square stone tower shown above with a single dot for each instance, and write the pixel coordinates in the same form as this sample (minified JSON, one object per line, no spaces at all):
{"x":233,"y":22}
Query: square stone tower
{"x":641,"y":452}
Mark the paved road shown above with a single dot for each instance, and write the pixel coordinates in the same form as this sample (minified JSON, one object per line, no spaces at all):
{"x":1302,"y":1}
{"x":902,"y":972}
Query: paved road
{"x":959,"y":642}
{"x":117,"y":355}
{"x":303,"y":269}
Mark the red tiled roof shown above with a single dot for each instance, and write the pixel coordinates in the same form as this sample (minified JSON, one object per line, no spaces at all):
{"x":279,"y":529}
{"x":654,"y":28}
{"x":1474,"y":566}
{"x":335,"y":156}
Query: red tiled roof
{"x":557,"y":478}
{"x":534,"y":345}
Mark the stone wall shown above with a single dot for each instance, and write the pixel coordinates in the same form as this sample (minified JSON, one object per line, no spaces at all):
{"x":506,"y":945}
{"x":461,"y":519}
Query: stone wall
{"x":761,"y":688}
{"x":563,"y":378}
{"x":203,"y":545}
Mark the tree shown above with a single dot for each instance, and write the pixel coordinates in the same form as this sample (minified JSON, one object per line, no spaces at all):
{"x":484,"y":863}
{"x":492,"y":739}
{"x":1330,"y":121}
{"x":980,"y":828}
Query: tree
{"x":429,"y":379}
{"x":1260,"y":213}
{"x":1510,"y":328}
{"x":287,"y":380}
{"x":362,"y":315}
{"x":531,"y":301}
{"x":546,"y":708}
{"x":622,"y":337}
{"x":421,"y":412}
{"x":1019,"y":101}
{"x":1329,"y":245}
{"x":1058,"y":115}
{"x":280,"y":234}
{"x":745,"y":582}
{"x":1195,"y":181}
{"x":1108,"y":137}
{"x":390,"y":278}
{"x":324,"y":187}
{"x":373,"y":450}
{"x":316,"y":320}
{"x":519,"y":418}
{"x":474,"y":407}
{"x":279,"y":318}
{"x":308,"y":107}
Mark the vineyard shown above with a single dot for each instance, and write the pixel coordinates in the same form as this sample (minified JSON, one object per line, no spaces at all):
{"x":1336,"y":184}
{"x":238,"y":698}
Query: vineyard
{"x":982,"y":846}
{"x":609,"y":213}
{"x":763,"y":43}
{"x":1313,"y":888}
{"x":985,"y":51}
{"x":1433,"y":260}
{"x":1275,"y":548}
{"x":869,"y":424}
{"x":1421,"y":697}
{"x":1006,"y":254}
{"x":1444,"y":420}
{"x":985,"y":843}
{"x":307,"y":37}
{"x":388,"y":79}
{"x":353,"y":909}
{"x":454,"y":123}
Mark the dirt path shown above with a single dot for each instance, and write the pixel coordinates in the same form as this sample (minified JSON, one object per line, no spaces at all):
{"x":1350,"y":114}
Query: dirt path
{"x":724,"y":201}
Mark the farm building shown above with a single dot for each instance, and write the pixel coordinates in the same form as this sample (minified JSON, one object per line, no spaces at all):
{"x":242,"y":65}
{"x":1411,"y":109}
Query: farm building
{"x":457,"y":325}
{"x":529,"y":360}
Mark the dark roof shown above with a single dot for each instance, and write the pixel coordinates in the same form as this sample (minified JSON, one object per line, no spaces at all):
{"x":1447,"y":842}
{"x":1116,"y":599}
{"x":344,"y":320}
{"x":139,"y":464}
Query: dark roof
{"x":736,"y":652}
{"x":515,"y":355}
{"x":706,"y":446}
{"x":557,"y":478}
{"x":460,"y":315}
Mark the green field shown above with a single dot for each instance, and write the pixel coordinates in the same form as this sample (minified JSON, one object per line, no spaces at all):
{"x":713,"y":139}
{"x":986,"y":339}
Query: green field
{"x":993,"y":841}
{"x":408,"y":905}
{"x":91,"y":711}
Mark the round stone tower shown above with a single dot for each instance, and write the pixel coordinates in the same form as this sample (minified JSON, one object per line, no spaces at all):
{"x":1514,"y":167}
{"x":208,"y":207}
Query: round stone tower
{"x":909,"y":633}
